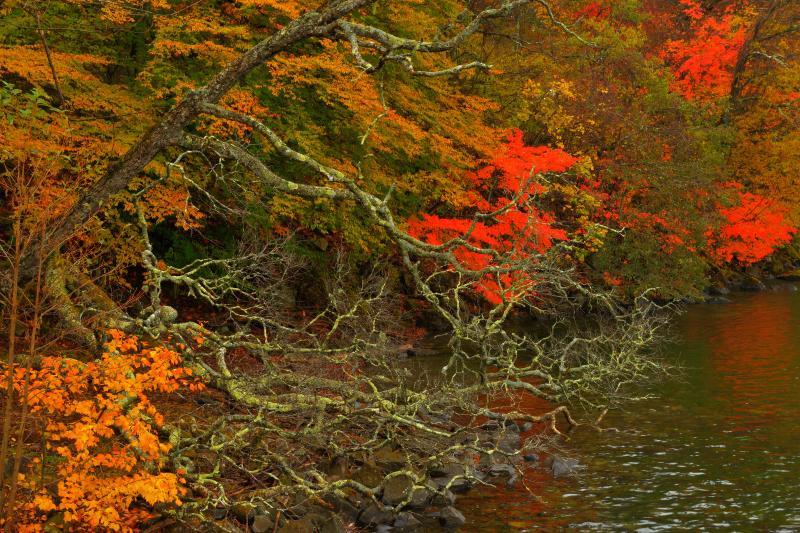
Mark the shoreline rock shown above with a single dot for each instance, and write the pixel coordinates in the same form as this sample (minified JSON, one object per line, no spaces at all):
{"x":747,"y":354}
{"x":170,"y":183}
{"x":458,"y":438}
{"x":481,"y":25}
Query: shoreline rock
{"x":404,"y":504}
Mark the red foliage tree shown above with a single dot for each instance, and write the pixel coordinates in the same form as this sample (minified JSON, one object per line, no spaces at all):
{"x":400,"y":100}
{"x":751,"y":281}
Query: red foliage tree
{"x":507,"y":186}
{"x":754,"y":227}
{"x":703,"y":62}
{"x":596,"y":10}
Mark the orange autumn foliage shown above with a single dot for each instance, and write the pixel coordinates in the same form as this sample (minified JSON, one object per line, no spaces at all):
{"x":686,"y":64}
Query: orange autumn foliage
{"x":103,"y":453}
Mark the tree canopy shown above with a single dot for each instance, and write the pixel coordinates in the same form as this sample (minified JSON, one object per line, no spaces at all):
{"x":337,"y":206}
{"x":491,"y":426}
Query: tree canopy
{"x":254,"y":202}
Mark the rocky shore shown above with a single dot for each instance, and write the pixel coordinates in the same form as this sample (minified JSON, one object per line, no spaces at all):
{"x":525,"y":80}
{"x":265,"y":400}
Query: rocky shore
{"x":404,"y":504}
{"x":754,"y":280}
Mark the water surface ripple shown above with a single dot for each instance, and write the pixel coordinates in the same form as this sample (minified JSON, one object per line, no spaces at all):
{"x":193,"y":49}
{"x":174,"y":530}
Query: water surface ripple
{"x":718,"y":450}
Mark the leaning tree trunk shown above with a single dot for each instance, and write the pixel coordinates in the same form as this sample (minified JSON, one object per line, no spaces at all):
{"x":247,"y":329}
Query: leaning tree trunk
{"x":169,"y":130}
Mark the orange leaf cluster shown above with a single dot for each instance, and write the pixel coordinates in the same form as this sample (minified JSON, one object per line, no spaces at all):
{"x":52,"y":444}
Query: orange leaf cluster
{"x":123,"y":12}
{"x":242,"y":101}
{"x":170,"y":200}
{"x":288,"y":8}
{"x":102,"y":426}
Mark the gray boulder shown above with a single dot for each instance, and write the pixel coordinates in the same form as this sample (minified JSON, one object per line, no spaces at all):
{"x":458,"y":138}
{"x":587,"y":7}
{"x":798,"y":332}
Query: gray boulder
{"x":564,"y":466}
{"x":262,"y":524}
{"x":397,"y":490}
{"x":451,"y":517}
{"x":374,"y":516}
{"x":407,"y":521}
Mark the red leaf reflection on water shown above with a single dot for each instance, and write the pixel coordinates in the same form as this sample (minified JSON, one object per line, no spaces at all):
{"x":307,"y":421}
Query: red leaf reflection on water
{"x":750,"y":357}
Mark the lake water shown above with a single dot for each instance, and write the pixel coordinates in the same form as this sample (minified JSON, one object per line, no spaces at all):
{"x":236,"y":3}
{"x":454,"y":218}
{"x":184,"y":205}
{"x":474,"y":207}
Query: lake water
{"x":717,"y":450}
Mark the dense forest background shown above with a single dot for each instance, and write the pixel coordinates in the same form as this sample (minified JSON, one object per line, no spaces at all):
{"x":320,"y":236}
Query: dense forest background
{"x":236,"y":214}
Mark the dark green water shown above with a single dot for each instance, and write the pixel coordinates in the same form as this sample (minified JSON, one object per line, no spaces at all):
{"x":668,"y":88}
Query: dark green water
{"x":718,"y":450}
